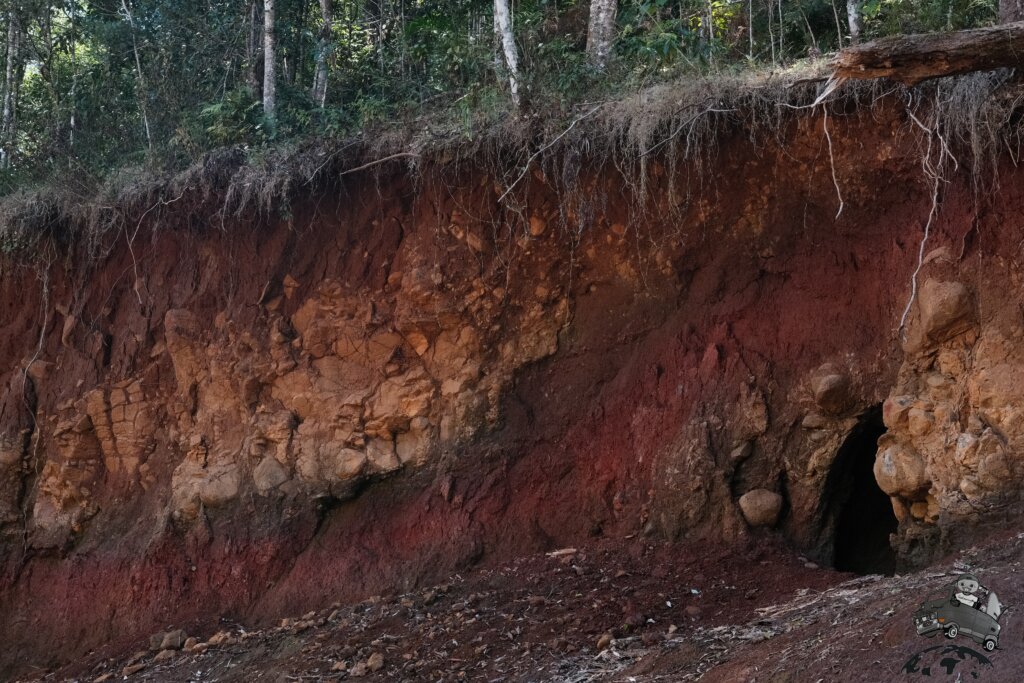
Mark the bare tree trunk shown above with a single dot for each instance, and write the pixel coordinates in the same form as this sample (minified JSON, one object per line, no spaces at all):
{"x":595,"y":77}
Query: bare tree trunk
{"x":253,"y":51}
{"x":503,"y":26}
{"x":601,"y":31}
{"x":750,"y":28}
{"x":853,"y":18}
{"x":323,"y":48}
{"x":269,"y":70}
{"x":142,"y":94}
{"x":10,"y":103}
{"x":1011,"y":10}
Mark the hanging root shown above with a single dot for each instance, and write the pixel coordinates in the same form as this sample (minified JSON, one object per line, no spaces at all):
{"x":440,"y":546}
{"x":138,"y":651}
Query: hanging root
{"x":934,"y":171}
{"x":832,"y":160}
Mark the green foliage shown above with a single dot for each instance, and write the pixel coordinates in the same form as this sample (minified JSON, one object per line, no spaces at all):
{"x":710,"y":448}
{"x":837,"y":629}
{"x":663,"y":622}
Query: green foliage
{"x":107,"y":83}
{"x":237,"y":118}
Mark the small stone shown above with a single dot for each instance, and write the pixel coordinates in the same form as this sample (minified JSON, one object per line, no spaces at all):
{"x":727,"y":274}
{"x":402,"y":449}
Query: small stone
{"x":604,"y":642}
{"x":219,"y":638}
{"x":741,"y":452}
{"x":810,"y":565}
{"x":358,"y":671}
{"x":339,"y":665}
{"x":173,"y":640}
{"x":156,"y":640}
{"x":190,"y":644}
{"x":133,"y":669}
{"x":375,"y":662}
{"x":672,"y":628}
{"x":692,"y":611}
{"x":971,"y":489}
{"x":537,"y":226}
{"x":163,"y":656}
{"x":814,"y":421}
{"x":650,"y":638}
{"x":761,"y":507}
{"x":557,"y":644}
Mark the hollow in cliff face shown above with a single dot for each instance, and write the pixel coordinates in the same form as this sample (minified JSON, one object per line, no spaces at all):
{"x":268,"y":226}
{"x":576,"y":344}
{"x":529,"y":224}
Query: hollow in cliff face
{"x":864,"y":519}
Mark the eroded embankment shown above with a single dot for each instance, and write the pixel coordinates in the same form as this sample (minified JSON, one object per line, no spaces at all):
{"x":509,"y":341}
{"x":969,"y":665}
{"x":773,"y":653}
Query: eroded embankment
{"x":403,"y":376}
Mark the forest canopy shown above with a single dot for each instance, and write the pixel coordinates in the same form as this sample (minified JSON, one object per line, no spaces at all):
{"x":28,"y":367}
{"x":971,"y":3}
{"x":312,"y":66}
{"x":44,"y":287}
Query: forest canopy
{"x":89,"y":85}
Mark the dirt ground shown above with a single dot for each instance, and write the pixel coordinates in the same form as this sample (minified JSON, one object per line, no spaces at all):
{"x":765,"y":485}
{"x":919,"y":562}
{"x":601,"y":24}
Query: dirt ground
{"x":613,"y":611}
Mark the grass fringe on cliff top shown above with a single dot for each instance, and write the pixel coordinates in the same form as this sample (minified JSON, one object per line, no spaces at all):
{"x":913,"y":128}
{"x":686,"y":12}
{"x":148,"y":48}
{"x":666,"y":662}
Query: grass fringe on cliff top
{"x":973,"y":120}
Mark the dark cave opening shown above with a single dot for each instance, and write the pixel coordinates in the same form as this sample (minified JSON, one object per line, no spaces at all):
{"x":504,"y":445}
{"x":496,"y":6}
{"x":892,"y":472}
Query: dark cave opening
{"x":860,"y":511}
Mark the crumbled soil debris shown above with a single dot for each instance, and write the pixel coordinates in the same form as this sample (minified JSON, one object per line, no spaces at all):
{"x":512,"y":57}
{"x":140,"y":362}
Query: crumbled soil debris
{"x":625,"y":610}
{"x":539,"y":617}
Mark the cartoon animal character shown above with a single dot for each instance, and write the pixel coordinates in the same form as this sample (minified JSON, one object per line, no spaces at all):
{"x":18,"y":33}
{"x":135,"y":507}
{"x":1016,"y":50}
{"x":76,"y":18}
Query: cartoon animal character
{"x":966,"y":587}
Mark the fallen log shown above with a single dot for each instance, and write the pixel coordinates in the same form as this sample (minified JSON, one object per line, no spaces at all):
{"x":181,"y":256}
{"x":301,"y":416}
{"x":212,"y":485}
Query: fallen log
{"x":914,"y":58}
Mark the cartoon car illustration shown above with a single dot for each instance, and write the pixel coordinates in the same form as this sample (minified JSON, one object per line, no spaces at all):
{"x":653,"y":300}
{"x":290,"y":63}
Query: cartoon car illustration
{"x":949,"y":615}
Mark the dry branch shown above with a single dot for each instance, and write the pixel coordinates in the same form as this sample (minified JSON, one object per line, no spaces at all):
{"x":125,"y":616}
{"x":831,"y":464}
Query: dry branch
{"x":914,"y":58}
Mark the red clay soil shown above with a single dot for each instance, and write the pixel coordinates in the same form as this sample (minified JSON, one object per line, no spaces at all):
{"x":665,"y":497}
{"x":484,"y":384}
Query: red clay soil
{"x":538,"y":618}
{"x":584,"y":451}
{"x":624,"y":610}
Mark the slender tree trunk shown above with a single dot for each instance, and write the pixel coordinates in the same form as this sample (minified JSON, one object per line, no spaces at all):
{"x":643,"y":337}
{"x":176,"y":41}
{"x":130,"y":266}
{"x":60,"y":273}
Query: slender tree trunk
{"x":750,"y":28}
{"x":142,"y":94}
{"x":1011,"y":10}
{"x":839,"y":26}
{"x":10,"y":94}
{"x":73,"y":94}
{"x":503,"y":26}
{"x":853,"y":18}
{"x":323,"y":48}
{"x":253,"y":50}
{"x":269,"y":70}
{"x":601,"y":31}
{"x":782,"y":32}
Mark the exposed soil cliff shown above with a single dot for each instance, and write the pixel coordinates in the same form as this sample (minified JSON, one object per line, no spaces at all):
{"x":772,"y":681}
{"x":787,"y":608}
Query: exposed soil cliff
{"x":402,"y":377}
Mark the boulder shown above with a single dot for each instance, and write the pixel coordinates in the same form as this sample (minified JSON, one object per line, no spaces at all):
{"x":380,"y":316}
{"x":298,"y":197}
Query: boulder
{"x":833,"y":391}
{"x":761,"y":507}
{"x":895,"y":411}
{"x":945,"y":309}
{"x":269,"y":474}
{"x":901,"y":472}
